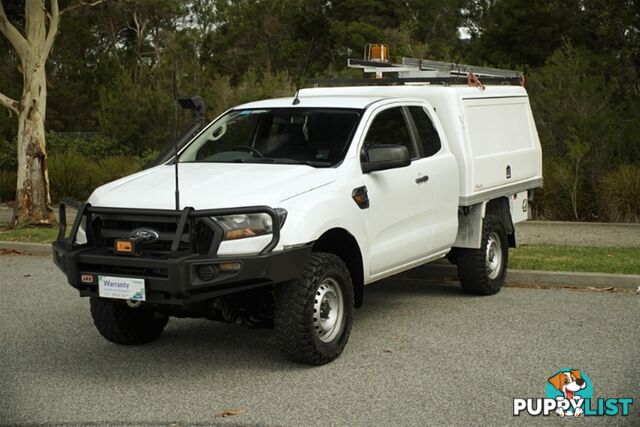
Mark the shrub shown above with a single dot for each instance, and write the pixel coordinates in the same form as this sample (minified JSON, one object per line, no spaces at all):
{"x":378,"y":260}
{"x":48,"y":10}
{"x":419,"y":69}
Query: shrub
{"x":70,"y":175}
{"x":220,"y":93}
{"x":112,"y":168}
{"x":551,"y":201}
{"x":619,"y":194}
{"x":8,"y":155}
{"x":7,"y":186}
{"x":91,"y":145}
{"x":567,"y":193}
{"x":148,"y":158}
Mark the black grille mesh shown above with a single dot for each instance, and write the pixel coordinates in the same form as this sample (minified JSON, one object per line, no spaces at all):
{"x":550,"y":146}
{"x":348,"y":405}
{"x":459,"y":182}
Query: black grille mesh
{"x":196,"y":237}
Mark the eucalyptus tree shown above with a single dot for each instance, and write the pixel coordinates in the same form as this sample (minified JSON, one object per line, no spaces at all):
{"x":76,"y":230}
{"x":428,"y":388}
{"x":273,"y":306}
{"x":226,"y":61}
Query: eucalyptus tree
{"x":32,"y":47}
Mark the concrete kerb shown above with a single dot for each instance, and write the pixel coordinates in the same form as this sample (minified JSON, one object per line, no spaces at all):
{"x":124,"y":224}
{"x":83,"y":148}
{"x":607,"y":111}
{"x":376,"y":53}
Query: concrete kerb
{"x":448,"y":272}
{"x":535,"y":277}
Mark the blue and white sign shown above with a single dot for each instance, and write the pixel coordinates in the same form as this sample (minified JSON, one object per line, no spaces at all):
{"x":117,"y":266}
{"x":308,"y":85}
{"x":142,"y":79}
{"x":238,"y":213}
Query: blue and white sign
{"x":121,"y":288}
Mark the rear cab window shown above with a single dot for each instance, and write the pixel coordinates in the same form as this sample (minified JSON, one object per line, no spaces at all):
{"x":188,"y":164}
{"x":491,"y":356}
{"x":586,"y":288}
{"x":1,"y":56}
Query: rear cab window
{"x":429,"y":141}
{"x":389,"y":127}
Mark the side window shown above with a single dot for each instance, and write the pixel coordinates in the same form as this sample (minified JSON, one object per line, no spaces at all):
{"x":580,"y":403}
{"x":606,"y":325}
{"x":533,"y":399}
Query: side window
{"x":390,"y":127}
{"x":429,"y":138}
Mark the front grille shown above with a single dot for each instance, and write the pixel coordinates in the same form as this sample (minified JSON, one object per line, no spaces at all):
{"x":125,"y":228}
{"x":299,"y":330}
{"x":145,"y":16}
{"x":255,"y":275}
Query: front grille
{"x":196,"y":236}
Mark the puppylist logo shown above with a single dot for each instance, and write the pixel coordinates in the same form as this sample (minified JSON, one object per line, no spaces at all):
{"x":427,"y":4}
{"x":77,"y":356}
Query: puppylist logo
{"x":569,"y":393}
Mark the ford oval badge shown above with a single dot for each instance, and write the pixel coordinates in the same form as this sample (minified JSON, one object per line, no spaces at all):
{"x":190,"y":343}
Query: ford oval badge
{"x":145,"y":235}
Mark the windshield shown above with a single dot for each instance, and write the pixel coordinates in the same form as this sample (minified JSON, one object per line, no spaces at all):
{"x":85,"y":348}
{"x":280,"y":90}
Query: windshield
{"x":311,"y":136}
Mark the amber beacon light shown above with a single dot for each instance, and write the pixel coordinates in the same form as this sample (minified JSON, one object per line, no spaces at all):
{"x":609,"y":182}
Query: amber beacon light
{"x":376,"y":53}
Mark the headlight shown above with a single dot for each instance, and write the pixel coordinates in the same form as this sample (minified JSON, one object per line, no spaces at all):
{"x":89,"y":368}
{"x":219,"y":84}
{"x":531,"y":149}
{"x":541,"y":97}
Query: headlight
{"x":248,"y":225}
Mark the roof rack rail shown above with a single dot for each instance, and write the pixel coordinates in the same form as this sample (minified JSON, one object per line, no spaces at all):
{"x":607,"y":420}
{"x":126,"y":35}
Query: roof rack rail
{"x":458,"y":69}
{"x":422,"y":71}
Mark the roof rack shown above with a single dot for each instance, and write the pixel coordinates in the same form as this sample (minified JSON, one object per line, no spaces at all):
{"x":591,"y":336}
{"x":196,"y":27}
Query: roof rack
{"x":421,"y":71}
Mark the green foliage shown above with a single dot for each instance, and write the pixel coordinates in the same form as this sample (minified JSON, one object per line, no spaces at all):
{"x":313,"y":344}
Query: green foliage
{"x":148,"y":157}
{"x":73,"y":174}
{"x":92,"y":146}
{"x":570,"y":101}
{"x":70,"y":175}
{"x":7,"y":186}
{"x":314,"y":37}
{"x":221,"y":94}
{"x":257,"y":34}
{"x":140,"y":115}
{"x":565,"y":194}
{"x":8,"y":155}
{"x":619,"y":194}
{"x":112,"y":168}
{"x":426,"y":29}
{"x":514,"y":33}
{"x":582,"y":128}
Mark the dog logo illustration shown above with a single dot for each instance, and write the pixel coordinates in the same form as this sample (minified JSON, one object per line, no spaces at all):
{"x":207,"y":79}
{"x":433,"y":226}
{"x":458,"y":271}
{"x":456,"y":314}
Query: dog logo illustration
{"x":573,"y":387}
{"x":569,"y":393}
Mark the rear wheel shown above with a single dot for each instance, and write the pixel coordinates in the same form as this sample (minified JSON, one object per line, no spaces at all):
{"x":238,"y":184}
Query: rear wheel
{"x":314,"y":312}
{"x":482,"y":271}
{"x":121,"y":324}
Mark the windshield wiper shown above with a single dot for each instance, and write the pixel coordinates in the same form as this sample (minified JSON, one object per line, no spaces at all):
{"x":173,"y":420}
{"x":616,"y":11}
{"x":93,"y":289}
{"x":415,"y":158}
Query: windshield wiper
{"x":255,"y":160}
{"x":316,"y":163}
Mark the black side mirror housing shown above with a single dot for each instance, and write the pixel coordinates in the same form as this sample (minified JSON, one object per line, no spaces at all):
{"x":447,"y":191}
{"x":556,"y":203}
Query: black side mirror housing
{"x":385,"y":156}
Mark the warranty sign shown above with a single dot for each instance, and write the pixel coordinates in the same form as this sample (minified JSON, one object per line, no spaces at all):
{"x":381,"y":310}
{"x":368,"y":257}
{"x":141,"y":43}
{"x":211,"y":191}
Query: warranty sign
{"x":121,"y":288}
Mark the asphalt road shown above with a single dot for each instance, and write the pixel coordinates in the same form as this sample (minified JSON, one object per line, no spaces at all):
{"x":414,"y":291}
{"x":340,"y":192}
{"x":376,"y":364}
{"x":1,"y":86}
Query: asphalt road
{"x":420,"y":354}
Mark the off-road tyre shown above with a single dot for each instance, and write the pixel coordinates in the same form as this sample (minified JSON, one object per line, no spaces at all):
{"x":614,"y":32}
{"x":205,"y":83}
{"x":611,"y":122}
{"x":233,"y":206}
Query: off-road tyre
{"x":121,"y":324}
{"x":474,"y":271}
{"x":300,"y":335}
{"x":452,"y":256}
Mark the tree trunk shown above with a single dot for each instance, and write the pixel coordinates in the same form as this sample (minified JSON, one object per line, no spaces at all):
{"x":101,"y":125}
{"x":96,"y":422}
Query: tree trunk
{"x":32,"y":192}
{"x":32,"y":195}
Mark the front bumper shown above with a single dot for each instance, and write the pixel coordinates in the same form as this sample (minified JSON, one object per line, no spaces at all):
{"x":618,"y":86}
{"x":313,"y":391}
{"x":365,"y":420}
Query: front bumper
{"x":171,"y":276}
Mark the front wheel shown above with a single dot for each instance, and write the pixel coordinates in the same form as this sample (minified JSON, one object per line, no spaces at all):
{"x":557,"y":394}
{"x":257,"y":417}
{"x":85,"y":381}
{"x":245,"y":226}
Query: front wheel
{"x":482,"y":271}
{"x":313,"y":314}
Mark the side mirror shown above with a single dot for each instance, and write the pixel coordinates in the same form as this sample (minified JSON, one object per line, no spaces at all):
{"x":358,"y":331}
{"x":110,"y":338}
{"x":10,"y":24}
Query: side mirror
{"x":385,"y":156}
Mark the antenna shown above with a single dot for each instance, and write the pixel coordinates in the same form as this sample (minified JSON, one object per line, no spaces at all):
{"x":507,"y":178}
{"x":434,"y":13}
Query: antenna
{"x":296,"y":100}
{"x":175,"y":134}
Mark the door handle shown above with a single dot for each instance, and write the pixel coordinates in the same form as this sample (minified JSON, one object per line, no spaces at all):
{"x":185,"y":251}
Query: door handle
{"x":422,"y":179}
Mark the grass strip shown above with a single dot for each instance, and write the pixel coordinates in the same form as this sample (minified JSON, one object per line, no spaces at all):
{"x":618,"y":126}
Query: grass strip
{"x":575,"y":258}
{"x":28,"y":234}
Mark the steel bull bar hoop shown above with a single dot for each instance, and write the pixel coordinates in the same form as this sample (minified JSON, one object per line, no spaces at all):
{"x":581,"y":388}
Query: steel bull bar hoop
{"x":62,"y":223}
{"x":184,"y":217}
{"x":169,"y":264}
{"x":275,"y":220}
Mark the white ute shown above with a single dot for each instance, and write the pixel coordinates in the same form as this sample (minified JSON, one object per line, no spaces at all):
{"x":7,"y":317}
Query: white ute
{"x":288,"y":207}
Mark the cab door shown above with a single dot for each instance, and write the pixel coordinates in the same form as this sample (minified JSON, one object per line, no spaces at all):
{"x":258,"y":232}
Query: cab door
{"x":396,"y":217}
{"x":413,"y":209}
{"x":439,"y":179}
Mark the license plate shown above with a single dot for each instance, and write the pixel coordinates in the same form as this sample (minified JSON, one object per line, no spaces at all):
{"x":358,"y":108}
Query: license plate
{"x":121,"y":288}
